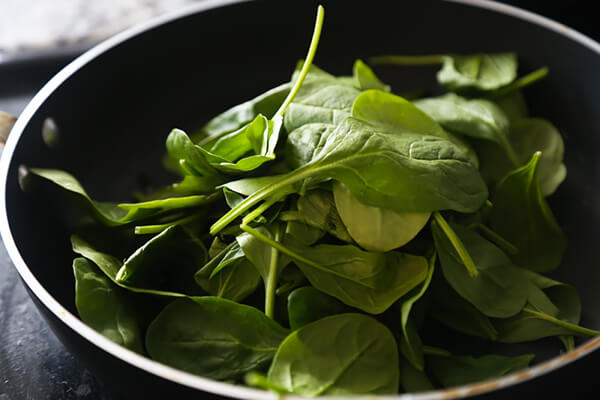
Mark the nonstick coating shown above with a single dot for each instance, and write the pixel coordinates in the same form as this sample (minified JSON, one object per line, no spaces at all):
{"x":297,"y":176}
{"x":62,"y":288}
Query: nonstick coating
{"x":116,"y":104}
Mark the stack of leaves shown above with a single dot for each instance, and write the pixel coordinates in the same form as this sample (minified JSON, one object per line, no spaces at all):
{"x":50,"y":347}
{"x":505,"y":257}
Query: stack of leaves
{"x":352,"y":229}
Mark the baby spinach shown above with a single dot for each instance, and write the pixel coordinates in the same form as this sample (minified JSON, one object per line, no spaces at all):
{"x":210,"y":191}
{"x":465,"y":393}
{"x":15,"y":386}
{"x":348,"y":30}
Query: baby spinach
{"x":498,"y":290}
{"x":365,"y":78}
{"x":410,"y":345}
{"x":460,"y":370}
{"x":521,"y":215}
{"x":115,"y":214}
{"x":317,"y":208}
{"x":478,"y":118}
{"x":236,"y":117}
{"x":527,"y":136}
{"x":166,"y":262}
{"x":480,"y":71}
{"x":374,"y":228}
{"x":345,"y":354}
{"x":228,"y":274}
{"x":194,"y":336}
{"x":307,"y":304}
{"x":103,"y":306}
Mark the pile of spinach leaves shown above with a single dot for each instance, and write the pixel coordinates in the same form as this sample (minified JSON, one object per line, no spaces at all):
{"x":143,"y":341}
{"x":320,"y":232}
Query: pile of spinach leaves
{"x":350,"y":230}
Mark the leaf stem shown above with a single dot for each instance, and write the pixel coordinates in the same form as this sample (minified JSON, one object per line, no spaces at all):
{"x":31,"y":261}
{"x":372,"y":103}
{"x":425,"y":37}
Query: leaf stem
{"x":294,"y":255}
{"x":435,"y":351}
{"x":307,"y":62}
{"x":498,"y":240}
{"x":458,"y":245}
{"x":432,"y":59}
{"x":526,"y":80}
{"x":148,"y":229}
{"x":271,"y":282}
{"x":567,"y":325}
{"x":257,"y":212}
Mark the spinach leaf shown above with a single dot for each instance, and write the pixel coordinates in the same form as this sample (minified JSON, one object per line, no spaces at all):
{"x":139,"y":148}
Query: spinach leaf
{"x":115,"y":214}
{"x":186,"y":156}
{"x":458,"y":314}
{"x":307,"y":304}
{"x":527,"y":136}
{"x":355,"y":153}
{"x":236,"y":117}
{"x":302,"y":143}
{"x":301,"y":233}
{"x":166,"y":262}
{"x":194,"y":336}
{"x":374,"y":228}
{"x":478,"y":118}
{"x":554,"y":311}
{"x":412,"y":379}
{"x":521,"y":215}
{"x":394,"y":114}
{"x":368,"y":281}
{"x":228,"y":274}
{"x":499,"y":289}
{"x":345,"y":354}
{"x":483,"y":72}
{"x":365,"y":78}
{"x":102,"y":305}
{"x":317,"y":209}
{"x":266,"y":259}
{"x":111,"y":265}
{"x":328,"y":102}
{"x":410,"y":344}
{"x":460,"y":370}
{"x":365,"y":280}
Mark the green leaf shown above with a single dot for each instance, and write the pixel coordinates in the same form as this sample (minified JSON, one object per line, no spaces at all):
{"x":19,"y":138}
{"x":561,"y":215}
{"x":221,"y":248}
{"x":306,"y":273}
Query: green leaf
{"x":483,"y":72}
{"x":345,"y":354}
{"x":499,"y":289}
{"x":355,"y":153}
{"x":394,"y":114}
{"x":229,"y":274}
{"x":167,"y":262}
{"x":521,"y":215}
{"x":317,"y":209}
{"x":327,"y":102}
{"x":458,"y":314}
{"x":477,"y":118}
{"x":365,"y":78}
{"x":410,"y":344}
{"x":115,"y":214}
{"x":527,"y":136}
{"x":460,"y":370}
{"x":374,"y":228}
{"x":369,"y":281}
{"x":111,"y":265}
{"x":307,"y":304}
{"x":195,"y":337}
{"x":103,"y":306}
{"x":552,"y":312}
{"x":302,"y":143}
{"x":413,"y":380}
{"x":188,"y":157}
{"x":301,"y":233}
{"x":236,"y":117}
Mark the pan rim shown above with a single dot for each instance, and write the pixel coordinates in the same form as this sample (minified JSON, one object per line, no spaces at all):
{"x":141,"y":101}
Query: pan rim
{"x":195,"y":381}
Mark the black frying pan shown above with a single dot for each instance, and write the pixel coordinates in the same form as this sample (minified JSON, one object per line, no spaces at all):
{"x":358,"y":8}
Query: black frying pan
{"x":115,"y":105}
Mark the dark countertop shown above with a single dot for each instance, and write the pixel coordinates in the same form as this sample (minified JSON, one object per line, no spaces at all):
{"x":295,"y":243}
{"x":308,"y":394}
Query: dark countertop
{"x":33,"y":363}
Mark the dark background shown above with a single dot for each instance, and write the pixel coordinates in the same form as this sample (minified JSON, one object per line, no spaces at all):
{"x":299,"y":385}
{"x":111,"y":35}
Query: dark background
{"x":35,"y":365}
